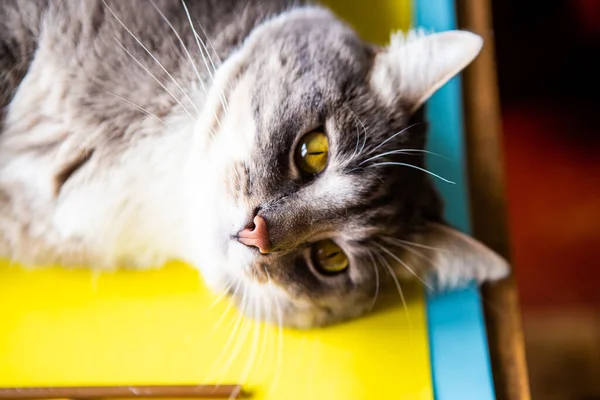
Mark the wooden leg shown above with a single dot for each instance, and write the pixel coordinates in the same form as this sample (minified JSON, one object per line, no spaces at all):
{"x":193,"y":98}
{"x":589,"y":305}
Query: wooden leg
{"x":487,"y":194}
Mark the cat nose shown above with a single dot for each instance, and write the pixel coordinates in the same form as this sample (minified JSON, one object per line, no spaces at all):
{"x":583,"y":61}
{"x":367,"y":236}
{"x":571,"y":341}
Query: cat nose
{"x":258,"y":237}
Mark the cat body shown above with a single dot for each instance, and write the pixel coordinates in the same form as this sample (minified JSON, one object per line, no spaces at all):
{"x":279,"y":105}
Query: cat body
{"x":137,"y":132}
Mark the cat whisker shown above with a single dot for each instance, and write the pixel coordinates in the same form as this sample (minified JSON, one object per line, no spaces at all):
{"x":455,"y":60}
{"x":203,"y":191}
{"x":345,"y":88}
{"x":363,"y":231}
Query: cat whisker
{"x":403,"y":246}
{"x":214,"y":68}
{"x":190,"y":58}
{"x":212,"y":63}
{"x":390,"y":271}
{"x":356,"y":151}
{"x":412,"y":166}
{"x":415,"y":244}
{"x":141,"y":109}
{"x":376,"y":271}
{"x":223,"y":294}
{"x":164,"y":17}
{"x":239,"y":321}
{"x":364,"y":131}
{"x":408,"y":268}
{"x":152,"y":56}
{"x":401,"y":151}
{"x":198,"y":40}
{"x":196,"y":37}
{"x":255,"y":336}
{"x":222,"y":96}
{"x":279,"y":318}
{"x":393,"y":136}
{"x":369,"y":172}
{"x":245,"y":329}
{"x":226,"y":311}
{"x":202,"y":48}
{"x":211,"y":46}
{"x":155,"y":78}
{"x":266,"y":304}
{"x":279,"y":362}
{"x":220,"y":297}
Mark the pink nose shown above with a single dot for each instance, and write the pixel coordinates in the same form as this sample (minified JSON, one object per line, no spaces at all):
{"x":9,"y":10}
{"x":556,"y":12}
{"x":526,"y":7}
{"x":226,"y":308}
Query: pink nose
{"x":258,"y":237}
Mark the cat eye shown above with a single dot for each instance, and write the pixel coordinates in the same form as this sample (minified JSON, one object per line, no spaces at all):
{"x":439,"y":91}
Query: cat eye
{"x":312,"y":153}
{"x":329,"y":258}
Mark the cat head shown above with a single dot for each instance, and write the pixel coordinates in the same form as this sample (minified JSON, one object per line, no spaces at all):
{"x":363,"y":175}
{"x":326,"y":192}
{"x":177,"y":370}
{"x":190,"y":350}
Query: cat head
{"x":316,"y":143}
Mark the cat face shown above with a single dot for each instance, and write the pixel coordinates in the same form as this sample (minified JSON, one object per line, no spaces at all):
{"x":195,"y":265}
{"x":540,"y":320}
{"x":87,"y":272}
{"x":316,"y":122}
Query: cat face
{"x":317,"y":146}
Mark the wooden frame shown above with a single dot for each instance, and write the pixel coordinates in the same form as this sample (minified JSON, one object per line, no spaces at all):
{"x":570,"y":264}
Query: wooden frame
{"x":488,"y":203}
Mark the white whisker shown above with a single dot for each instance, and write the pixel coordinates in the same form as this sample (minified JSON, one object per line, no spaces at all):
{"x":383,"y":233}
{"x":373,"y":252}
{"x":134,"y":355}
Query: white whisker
{"x":246,"y":326}
{"x":202,"y":50}
{"x":369,"y":172}
{"x":390,"y":271}
{"x":223,"y":294}
{"x":155,"y":78}
{"x":255,"y":336}
{"x":239,"y":321}
{"x":211,"y":46}
{"x":222,"y":97}
{"x":376,"y":271}
{"x":190,"y":58}
{"x":392,"y":241}
{"x":393,"y":136}
{"x":197,"y":38}
{"x":226,"y":311}
{"x":148,"y":113}
{"x":409,"y":243}
{"x":355,"y":153}
{"x":151,"y":55}
{"x":278,"y":311}
{"x":402,"y":263}
{"x":164,"y":17}
{"x":364,"y":131}
{"x":412,"y":166}
{"x":401,"y":151}
{"x":266,"y":306}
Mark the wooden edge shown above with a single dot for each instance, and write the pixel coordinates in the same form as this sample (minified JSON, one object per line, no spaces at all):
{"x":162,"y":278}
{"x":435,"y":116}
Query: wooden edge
{"x":124,"y":392}
{"x":506,"y":342}
{"x":488,"y":203}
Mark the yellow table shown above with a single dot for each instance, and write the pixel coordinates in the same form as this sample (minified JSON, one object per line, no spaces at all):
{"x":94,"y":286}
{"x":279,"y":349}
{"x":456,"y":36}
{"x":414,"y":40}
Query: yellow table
{"x":61,"y":328}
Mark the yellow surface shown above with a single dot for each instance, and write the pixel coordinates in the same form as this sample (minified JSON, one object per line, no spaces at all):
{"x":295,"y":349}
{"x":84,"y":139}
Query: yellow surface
{"x":60,"y":327}
{"x":374,"y":19}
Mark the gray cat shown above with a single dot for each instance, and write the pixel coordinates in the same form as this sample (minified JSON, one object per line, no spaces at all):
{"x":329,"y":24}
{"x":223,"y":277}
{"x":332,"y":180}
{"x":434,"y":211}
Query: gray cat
{"x":261,"y":141}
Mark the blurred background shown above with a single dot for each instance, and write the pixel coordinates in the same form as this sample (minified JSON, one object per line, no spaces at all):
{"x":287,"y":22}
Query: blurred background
{"x":548,"y":60}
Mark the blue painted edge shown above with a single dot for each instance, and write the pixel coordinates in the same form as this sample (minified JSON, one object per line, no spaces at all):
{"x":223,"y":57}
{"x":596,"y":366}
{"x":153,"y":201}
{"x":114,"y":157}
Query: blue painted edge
{"x":458,"y":342}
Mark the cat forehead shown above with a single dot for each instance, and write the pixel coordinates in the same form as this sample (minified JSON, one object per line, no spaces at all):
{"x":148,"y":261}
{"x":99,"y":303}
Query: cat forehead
{"x":306,"y":47}
{"x":307,"y":33}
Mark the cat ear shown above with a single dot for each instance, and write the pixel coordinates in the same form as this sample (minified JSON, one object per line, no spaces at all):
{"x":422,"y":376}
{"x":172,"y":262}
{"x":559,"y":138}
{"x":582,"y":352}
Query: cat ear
{"x":449,"y":259}
{"x":414,"y":66}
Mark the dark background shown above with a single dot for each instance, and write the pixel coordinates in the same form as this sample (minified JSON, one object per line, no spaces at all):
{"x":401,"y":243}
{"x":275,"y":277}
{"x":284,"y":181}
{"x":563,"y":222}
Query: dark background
{"x":548,"y":57}
{"x":548,"y":60}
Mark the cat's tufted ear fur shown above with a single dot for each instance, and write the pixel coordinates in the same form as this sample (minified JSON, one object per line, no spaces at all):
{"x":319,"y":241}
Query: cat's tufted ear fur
{"x":450,"y":259}
{"x":413,"y":66}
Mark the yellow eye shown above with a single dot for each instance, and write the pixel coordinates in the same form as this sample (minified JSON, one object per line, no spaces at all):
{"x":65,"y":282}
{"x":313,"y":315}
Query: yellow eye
{"x":329,"y":258}
{"x":312,"y":152}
